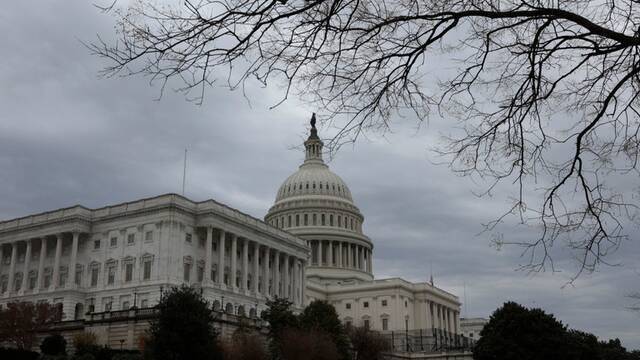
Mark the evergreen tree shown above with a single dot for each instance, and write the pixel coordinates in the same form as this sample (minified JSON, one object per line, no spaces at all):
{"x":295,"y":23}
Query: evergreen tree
{"x":322,"y":316}
{"x":184,"y":328}
{"x":280,"y":318}
{"x":517,"y":333}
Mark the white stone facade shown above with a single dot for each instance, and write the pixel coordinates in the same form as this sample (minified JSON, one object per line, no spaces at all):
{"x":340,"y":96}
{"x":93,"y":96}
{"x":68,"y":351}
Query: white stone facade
{"x":471,"y":327}
{"x":316,"y":205}
{"x":121,"y":256}
{"x":310,"y":246}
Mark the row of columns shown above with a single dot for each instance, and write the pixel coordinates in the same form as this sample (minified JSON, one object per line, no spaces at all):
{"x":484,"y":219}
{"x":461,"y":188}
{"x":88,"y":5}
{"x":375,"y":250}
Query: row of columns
{"x":55,"y":281}
{"x":283,"y":284}
{"x":347,"y":255}
{"x":444,"y":318}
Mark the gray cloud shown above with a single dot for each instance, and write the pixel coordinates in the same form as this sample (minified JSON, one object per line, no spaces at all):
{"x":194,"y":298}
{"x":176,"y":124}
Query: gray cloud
{"x":68,"y":137}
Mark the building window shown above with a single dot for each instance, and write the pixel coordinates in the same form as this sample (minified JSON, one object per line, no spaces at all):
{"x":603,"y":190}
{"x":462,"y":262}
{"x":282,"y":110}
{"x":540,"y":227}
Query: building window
{"x":366,"y":324}
{"x":331,"y":220}
{"x":306,"y":219}
{"x":128,"y":272}
{"x":322,"y":219}
{"x":91,"y":305}
{"x":384,"y":302}
{"x":144,"y":303}
{"x":297,"y":220}
{"x":64,"y":274}
{"x":187,"y":272}
{"x":96,"y":244}
{"x":200,"y":273}
{"x":94,"y":276}
{"x":289,"y":221}
{"x":113,"y":242}
{"x":406,"y":303}
{"x":348,"y":306}
{"x":187,"y":237}
{"x":79,"y":271}
{"x":365,"y":304}
{"x":33,"y":278}
{"x":148,"y":236}
{"x":339,"y":221}
{"x":17,"y":282}
{"x":131,"y":239}
{"x":108,"y":302}
{"x":385,"y":324}
{"x":111,"y":273}
{"x":3,"y":284}
{"x":314,"y":219}
{"x":146,"y":273}
{"x":347,"y":323}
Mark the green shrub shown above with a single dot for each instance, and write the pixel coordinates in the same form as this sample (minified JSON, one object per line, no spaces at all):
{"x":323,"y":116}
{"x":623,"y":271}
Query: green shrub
{"x":54,"y":345}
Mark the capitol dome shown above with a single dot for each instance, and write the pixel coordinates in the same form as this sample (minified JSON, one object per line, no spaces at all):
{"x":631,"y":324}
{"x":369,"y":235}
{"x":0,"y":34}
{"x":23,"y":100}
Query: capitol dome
{"x":314,"y":180}
{"x":316,"y":205}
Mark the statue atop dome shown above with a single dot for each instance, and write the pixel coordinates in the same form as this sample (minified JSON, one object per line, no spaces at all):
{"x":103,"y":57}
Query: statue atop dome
{"x":314,"y":131}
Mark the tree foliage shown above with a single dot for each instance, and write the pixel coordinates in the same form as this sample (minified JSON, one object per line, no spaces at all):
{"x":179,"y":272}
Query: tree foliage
{"x":300,"y":344}
{"x":515,"y":332}
{"x":19,"y":322}
{"x":280,"y":318}
{"x":320,"y":316}
{"x":544,"y":92}
{"x":183,"y":328}
{"x":54,"y":345}
{"x":367,"y":344}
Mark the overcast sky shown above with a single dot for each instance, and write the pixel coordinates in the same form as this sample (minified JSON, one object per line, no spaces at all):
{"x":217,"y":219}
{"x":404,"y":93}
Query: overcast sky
{"x":68,"y":137}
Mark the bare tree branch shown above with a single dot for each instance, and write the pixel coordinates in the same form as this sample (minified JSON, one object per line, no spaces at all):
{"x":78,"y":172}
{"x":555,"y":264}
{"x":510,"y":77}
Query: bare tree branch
{"x":545,"y":94}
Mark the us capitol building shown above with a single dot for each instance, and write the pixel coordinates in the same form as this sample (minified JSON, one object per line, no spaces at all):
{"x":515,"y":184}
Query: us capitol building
{"x":94,"y":263}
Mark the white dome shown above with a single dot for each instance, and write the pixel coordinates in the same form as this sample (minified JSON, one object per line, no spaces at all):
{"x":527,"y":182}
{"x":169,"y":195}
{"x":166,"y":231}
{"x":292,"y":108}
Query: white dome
{"x":314,"y":179}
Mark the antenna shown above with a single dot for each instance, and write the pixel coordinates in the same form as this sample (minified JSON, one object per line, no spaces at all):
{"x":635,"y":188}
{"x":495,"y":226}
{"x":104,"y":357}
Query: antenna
{"x":431,"y":271}
{"x":184,"y":171}
{"x":466,"y":310}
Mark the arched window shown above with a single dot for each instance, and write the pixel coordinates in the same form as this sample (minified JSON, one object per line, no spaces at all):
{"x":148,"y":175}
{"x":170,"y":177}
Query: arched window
{"x":339,"y":221}
{"x":330,"y":219}
{"x":216,"y":305}
{"x":306,"y":219}
{"x":229,"y":308}
{"x":297,"y":220}
{"x":322,"y":219}
{"x":314,"y":220}
{"x":289,"y":221}
{"x":351,"y":223}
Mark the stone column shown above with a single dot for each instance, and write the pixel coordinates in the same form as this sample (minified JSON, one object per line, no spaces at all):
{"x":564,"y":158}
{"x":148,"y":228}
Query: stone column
{"x":27,"y":262}
{"x":319,"y":252}
{"x":276,"y":277}
{"x":349,"y":259}
{"x":330,"y":253}
{"x":245,"y":264}
{"x":234,"y":260}
{"x":74,"y":260}
{"x":427,"y":315}
{"x":256,"y":268}
{"x":294,"y":281}
{"x":12,"y":267}
{"x":339,"y":262}
{"x":221,"y":245}
{"x":303,"y":286}
{"x":285,"y":281}
{"x":207,"y":255}
{"x":43,"y":253}
{"x":56,"y":261}
{"x":265,"y":272}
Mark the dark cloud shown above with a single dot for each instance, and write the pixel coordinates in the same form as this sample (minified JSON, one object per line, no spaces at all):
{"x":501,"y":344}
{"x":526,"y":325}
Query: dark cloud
{"x":68,"y":137}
